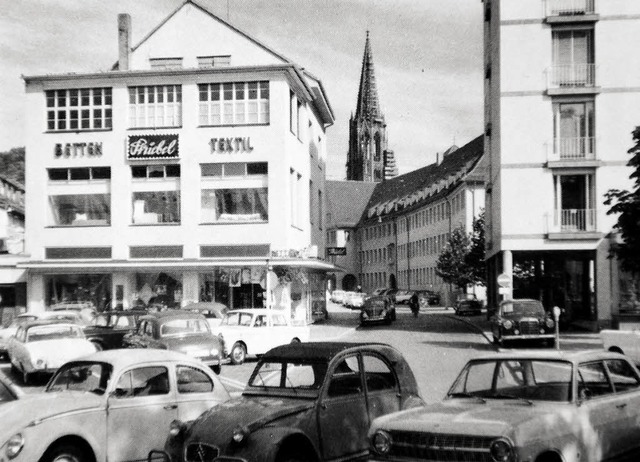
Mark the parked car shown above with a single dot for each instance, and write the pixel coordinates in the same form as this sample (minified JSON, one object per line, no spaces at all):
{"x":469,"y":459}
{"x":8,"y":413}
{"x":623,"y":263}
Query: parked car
{"x":86,"y":310}
{"x":9,"y":391}
{"x":522,"y":406}
{"x":522,"y":319}
{"x":254,"y":331}
{"x":379,"y":308}
{"x":178,"y":330}
{"x":356,"y":300}
{"x":346,"y":298}
{"x":214,"y":312}
{"x":337,"y":296}
{"x":379,"y":291}
{"x":622,"y":341}
{"x":108,"y":406}
{"x":42,"y":346}
{"x":107,"y":330}
{"x":467,"y":304}
{"x":428,"y":298}
{"x":403,"y":296}
{"x":303,"y":402}
{"x":391,"y":293}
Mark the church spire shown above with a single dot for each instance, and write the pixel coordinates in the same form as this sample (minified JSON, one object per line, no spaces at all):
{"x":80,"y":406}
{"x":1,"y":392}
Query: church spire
{"x":368,"y":105}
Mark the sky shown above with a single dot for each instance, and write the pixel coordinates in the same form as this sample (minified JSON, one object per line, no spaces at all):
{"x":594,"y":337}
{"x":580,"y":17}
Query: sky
{"x":427,"y":58}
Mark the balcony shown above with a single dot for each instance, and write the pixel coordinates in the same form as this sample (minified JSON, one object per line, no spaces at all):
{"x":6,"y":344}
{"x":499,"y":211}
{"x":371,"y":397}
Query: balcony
{"x":573,"y":224}
{"x":570,"y":151}
{"x":569,"y":9}
{"x":574,"y":75}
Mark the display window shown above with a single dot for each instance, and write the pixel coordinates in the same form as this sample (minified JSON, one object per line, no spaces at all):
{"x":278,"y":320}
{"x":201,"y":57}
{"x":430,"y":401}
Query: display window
{"x":157,"y":291}
{"x":78,"y":291}
{"x":235,"y":287}
{"x":80,"y":210}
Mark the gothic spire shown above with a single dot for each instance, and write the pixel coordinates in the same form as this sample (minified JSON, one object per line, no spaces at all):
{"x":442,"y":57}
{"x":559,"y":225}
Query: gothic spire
{"x":368,"y":105}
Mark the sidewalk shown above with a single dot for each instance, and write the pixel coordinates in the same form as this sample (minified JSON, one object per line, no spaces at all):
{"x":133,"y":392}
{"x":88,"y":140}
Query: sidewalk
{"x":342,"y":321}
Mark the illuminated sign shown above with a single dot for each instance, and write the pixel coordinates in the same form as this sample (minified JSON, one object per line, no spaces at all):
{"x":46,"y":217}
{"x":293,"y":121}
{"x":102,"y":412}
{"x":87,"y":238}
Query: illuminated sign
{"x":152,"y":147}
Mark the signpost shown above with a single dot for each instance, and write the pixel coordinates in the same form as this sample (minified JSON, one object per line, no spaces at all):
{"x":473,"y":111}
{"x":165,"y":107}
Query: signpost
{"x":504,"y":281}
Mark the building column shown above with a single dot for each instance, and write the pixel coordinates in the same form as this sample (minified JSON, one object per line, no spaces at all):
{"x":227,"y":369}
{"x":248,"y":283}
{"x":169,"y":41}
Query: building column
{"x":35,"y":292}
{"x":507,"y":268}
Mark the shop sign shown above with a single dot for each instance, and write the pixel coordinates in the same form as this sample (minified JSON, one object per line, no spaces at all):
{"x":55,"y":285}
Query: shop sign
{"x":66,"y":150}
{"x":307,"y":252}
{"x":336,"y":250}
{"x":152,"y":146}
{"x":229,"y":145}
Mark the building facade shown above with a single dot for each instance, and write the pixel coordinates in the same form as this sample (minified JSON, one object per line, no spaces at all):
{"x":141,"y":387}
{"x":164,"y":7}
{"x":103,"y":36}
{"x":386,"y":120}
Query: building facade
{"x":193,"y":170}
{"x":562,"y":96}
{"x":369,"y":158}
{"x":12,"y":279}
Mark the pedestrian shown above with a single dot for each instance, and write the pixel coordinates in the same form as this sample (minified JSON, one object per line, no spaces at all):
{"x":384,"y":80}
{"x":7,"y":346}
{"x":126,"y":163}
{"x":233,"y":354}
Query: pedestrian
{"x":414,"y":304}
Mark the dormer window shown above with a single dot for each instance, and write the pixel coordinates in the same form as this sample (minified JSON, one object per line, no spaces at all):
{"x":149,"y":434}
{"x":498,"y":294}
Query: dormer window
{"x":165,"y":63}
{"x":207,"y":62}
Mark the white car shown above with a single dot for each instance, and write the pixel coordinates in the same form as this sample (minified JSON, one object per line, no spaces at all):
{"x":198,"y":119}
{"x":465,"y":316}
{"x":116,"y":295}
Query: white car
{"x":254,"y":331}
{"x":42,"y":346}
{"x":108,"y":406}
{"x":622,"y":341}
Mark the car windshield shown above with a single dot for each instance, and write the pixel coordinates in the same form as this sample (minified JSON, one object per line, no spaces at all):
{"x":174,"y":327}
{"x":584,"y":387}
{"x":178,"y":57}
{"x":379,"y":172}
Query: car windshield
{"x":289,"y":377}
{"x":21,"y":321}
{"x":86,"y":376}
{"x":53,"y":331}
{"x":524,"y":379}
{"x":237,"y":319}
{"x":532,"y":308}
{"x":189,"y":326}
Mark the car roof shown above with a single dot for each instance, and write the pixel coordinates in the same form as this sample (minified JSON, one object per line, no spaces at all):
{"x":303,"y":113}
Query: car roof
{"x":50,"y":322}
{"x":253,"y":311}
{"x":205,"y":306}
{"x":121,"y":358}
{"x":319,"y":350}
{"x":168,"y":314}
{"x":573,"y":356}
{"x":133,"y":312}
{"x":516,"y":300}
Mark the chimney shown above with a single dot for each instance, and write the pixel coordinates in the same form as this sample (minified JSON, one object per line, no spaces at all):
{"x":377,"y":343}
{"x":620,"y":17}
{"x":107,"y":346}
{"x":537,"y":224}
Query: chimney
{"x":124,"y":41}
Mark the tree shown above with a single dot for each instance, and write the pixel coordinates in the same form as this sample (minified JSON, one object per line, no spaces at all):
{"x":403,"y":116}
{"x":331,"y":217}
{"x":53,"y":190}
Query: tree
{"x":12,"y":165}
{"x":627,"y":205}
{"x":475,"y":257}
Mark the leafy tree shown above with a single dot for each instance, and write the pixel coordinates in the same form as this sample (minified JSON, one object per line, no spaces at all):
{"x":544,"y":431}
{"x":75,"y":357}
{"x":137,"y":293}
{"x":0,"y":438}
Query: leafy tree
{"x":627,"y":205}
{"x":12,"y":164}
{"x":475,"y":257}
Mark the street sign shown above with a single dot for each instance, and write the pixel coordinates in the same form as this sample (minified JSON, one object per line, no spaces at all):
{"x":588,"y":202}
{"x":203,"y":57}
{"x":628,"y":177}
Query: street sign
{"x":504,"y":280}
{"x":336,"y":250}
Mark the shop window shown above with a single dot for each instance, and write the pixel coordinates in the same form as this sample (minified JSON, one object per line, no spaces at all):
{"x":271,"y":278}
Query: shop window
{"x":155,"y":106}
{"x":91,"y":291}
{"x":80,"y":210}
{"x":234,"y":205}
{"x":155,"y":171}
{"x":153,"y":207}
{"x":235,"y":287}
{"x":157,"y":290}
{"x":234,"y":169}
{"x":234,"y":103}
{"x":79,"y":109}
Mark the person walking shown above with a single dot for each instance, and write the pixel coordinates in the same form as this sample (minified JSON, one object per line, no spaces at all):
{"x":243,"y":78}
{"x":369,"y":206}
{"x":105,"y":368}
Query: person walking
{"x":414,"y":304}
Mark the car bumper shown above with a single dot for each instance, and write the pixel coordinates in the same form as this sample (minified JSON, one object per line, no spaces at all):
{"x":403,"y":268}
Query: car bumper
{"x":529,"y":337}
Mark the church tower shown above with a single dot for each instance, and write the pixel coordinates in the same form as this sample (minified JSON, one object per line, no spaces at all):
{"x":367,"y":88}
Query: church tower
{"x":368,"y":158}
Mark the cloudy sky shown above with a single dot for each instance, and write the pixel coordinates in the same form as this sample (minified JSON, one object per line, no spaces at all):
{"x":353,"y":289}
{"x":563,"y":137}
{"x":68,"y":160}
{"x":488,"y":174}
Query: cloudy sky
{"x":427,"y":56}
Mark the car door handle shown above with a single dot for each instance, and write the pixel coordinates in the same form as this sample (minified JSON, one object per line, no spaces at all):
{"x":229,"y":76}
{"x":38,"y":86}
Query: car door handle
{"x":170,"y":407}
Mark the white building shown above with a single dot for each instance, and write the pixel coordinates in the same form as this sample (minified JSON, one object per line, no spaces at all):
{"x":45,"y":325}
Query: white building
{"x":193,"y":170}
{"x":562,"y":96}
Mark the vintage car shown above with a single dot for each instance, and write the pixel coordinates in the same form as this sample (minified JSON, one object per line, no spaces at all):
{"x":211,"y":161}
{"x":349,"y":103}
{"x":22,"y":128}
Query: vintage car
{"x":622,"y":341}
{"x":178,"y":330}
{"x":403,"y":296}
{"x":42,"y":346}
{"x":214,"y":312}
{"x":254,"y":331}
{"x":467,"y":304}
{"x":346,"y":298}
{"x":522,"y":319}
{"x":542,"y":406}
{"x":337,"y":296}
{"x":107,"y":330}
{"x":378,"y":308}
{"x":304,"y":402}
{"x":108,"y":406}
{"x":356,"y":300}
{"x":428,"y":298}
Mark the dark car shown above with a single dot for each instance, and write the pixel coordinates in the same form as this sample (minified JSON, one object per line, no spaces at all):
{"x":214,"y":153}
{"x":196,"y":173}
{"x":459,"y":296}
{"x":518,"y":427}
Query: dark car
{"x":467,"y":304}
{"x":215,"y":312}
{"x":378,"y":308}
{"x":107,"y":330}
{"x":303,"y":402}
{"x":178,"y":330}
{"x":522,"y":319}
{"x":428,"y":298}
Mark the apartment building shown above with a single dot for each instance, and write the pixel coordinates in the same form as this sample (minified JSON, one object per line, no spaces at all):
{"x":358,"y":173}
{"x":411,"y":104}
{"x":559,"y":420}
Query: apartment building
{"x":12,"y":279}
{"x":562,"y":95}
{"x":193,"y":170}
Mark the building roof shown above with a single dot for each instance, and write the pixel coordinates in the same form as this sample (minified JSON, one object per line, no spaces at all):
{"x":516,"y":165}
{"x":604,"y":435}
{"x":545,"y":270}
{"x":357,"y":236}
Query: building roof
{"x":346,"y":201}
{"x":424,"y":184}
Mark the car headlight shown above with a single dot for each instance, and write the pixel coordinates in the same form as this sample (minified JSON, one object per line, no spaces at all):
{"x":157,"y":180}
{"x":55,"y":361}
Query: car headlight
{"x":240,"y":434}
{"x":550,"y":323}
{"x":14,"y":446}
{"x":507,"y":324}
{"x":501,"y":450}
{"x":381,"y":442}
{"x":39,"y":363}
{"x":214,"y":352}
{"x":176,"y":427}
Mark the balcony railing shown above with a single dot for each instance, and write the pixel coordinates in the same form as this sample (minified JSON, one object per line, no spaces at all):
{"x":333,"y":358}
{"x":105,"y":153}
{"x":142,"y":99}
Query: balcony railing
{"x":569,"y":7}
{"x":571,"y":75}
{"x":580,"y":148}
{"x":575,"y":220}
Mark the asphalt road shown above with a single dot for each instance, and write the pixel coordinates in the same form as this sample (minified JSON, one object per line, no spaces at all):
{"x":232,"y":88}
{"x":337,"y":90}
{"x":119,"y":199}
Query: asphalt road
{"x":436,"y":345}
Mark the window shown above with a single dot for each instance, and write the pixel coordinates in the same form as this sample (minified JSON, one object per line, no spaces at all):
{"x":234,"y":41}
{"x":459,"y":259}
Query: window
{"x":234,"y":205}
{"x":155,"y":106}
{"x":155,"y":171}
{"x":165,"y":63}
{"x":345,"y":380}
{"x":573,"y":130}
{"x":75,"y":174}
{"x":234,"y":103}
{"x":592,"y":380}
{"x":623,"y":376}
{"x":295,"y":190}
{"x":192,"y":380}
{"x":79,"y":109}
{"x":574,"y":202}
{"x":79,"y":210}
{"x":573,"y":58}
{"x":153,"y":207}
{"x":234,"y":169}
{"x":143,"y":381}
{"x":207,"y":62}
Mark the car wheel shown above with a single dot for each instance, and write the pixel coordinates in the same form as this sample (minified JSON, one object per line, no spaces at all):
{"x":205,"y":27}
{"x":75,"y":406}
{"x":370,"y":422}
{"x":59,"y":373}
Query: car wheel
{"x":238,"y":353}
{"x":66,"y":453}
{"x":295,"y":340}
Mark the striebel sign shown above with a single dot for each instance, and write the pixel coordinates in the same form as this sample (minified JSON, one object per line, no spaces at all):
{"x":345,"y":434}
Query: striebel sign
{"x":152,"y":147}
